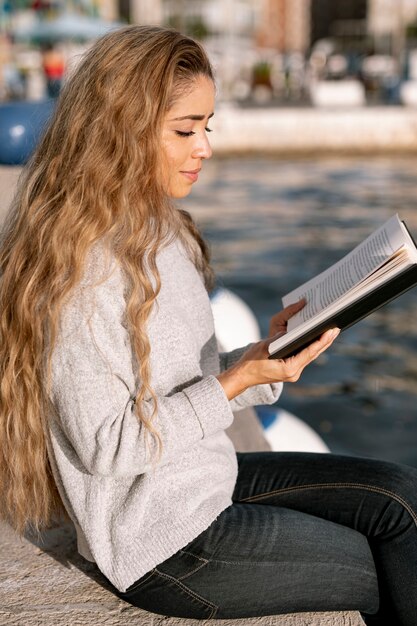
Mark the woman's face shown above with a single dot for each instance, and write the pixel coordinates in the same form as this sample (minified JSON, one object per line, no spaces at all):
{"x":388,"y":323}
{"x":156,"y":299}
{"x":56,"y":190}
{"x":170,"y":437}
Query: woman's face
{"x":184,"y":137}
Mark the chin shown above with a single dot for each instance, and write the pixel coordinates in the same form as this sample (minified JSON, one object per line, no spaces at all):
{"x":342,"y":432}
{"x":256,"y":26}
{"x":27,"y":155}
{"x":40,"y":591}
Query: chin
{"x":177,"y":194}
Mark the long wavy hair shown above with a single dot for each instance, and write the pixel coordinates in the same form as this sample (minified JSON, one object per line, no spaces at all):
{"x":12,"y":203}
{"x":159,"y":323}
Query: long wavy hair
{"x":93,"y":178}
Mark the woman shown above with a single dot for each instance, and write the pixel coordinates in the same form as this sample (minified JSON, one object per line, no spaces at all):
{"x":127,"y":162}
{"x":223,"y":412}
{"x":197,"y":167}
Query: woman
{"x":114,"y":400}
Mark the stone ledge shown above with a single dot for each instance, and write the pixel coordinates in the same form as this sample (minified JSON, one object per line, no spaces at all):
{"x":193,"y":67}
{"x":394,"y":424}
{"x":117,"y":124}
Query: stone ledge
{"x":50,"y":584}
{"x":306,"y":131}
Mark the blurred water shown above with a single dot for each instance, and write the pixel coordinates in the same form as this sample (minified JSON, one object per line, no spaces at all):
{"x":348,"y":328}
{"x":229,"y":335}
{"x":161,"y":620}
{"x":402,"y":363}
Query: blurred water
{"x":272,"y":225}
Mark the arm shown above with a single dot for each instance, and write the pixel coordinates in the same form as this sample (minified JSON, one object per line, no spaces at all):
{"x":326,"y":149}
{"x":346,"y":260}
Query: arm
{"x":254,"y":367}
{"x":94,"y":386}
{"x":249,"y":377}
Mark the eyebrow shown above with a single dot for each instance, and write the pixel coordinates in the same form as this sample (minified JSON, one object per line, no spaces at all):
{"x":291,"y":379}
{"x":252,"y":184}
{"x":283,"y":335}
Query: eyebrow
{"x":195,"y":118}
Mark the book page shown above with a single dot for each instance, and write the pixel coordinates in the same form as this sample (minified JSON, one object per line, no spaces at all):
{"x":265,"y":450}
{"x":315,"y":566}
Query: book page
{"x":392,"y":268}
{"x":335,"y":282}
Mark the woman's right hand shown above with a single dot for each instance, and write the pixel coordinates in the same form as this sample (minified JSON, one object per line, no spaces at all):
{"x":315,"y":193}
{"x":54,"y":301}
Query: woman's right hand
{"x":254,"y":367}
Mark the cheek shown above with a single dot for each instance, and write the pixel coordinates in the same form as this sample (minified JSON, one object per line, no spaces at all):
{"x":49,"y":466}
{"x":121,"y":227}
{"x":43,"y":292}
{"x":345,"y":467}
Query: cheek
{"x":171,"y":152}
{"x":177,"y":154}
{"x":171,"y":162}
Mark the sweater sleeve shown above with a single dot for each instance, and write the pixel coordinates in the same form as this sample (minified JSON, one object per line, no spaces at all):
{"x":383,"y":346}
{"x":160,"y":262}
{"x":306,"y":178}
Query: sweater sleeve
{"x":93,"y":390}
{"x":260,"y":394}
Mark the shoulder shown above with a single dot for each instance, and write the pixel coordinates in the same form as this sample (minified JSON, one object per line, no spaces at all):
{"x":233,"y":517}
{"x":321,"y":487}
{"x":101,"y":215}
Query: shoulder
{"x":101,"y":268}
{"x":100,"y":290}
{"x":177,"y":263}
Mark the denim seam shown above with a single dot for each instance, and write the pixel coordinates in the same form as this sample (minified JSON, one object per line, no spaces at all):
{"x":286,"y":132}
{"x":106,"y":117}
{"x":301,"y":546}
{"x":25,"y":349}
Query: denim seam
{"x":191,"y":593}
{"x":195,"y":556}
{"x":140,"y":582}
{"x":379,"y":490}
{"x":199,"y":566}
{"x":272,"y":563}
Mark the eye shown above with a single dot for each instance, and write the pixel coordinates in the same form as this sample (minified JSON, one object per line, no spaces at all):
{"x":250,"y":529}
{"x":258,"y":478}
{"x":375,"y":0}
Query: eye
{"x":182,"y":133}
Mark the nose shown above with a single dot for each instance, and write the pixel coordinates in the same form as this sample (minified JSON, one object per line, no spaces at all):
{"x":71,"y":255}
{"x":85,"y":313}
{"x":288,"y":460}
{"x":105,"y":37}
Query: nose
{"x":202,"y":148}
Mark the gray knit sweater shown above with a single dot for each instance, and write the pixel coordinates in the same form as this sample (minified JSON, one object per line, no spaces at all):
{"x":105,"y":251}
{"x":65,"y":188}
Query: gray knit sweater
{"x":130,"y":513}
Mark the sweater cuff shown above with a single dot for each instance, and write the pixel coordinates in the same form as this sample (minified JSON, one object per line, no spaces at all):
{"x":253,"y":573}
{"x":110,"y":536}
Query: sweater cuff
{"x":261,"y":394}
{"x":210,"y":404}
{"x":227,"y":359}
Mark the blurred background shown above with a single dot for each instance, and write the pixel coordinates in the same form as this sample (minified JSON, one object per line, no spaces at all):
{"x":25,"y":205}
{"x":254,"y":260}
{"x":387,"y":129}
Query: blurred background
{"x":315,"y":146}
{"x":271,"y":52}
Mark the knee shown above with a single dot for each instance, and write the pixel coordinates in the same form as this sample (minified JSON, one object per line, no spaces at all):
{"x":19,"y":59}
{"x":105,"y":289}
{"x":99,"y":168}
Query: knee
{"x":397,"y":484}
{"x":401,"y":481}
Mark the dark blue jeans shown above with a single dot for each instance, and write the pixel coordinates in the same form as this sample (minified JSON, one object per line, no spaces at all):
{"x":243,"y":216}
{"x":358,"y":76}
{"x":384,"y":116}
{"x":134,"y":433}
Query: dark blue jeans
{"x":306,"y":532}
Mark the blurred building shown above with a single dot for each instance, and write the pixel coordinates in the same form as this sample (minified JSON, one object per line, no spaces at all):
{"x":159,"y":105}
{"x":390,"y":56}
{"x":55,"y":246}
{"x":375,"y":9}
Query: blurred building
{"x":341,"y":19}
{"x":284,"y":25}
{"x":387,"y":24}
{"x":107,"y":9}
{"x":201,"y":18}
{"x":384,"y":15}
{"x":142,"y":11}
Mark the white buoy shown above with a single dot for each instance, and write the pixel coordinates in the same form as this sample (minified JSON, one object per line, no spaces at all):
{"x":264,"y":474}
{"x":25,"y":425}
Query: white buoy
{"x":289,"y":433}
{"x":234,"y":322}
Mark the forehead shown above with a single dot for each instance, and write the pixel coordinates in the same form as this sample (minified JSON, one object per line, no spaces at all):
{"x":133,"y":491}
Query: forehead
{"x":197,"y":99}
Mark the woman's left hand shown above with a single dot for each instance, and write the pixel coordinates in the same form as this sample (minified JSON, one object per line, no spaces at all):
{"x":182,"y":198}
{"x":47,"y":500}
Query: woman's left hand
{"x":278,"y":323}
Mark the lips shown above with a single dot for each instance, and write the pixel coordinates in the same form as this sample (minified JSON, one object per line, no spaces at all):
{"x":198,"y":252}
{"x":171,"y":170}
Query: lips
{"x":192,"y":175}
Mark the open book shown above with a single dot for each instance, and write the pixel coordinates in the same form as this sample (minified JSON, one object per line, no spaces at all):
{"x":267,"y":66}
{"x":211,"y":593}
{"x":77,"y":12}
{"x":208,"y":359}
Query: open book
{"x":378,"y":270}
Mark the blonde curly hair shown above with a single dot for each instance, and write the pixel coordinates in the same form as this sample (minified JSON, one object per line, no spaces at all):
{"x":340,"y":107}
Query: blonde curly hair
{"x":92,"y":178}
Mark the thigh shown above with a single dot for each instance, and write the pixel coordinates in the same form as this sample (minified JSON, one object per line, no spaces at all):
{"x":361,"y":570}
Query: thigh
{"x":376,"y":498}
{"x":351,"y":491}
{"x":260,"y":560}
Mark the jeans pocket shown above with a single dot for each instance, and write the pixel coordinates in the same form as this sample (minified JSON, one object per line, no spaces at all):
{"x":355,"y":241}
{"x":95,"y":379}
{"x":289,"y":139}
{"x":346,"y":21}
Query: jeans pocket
{"x":182,"y":564}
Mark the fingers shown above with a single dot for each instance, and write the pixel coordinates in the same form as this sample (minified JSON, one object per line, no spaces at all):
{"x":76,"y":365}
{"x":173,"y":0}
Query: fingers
{"x":292,"y":309}
{"x":323,"y":343}
{"x":316,"y":348}
{"x":279,"y":320}
{"x":297,"y":363}
{"x":283,"y":316}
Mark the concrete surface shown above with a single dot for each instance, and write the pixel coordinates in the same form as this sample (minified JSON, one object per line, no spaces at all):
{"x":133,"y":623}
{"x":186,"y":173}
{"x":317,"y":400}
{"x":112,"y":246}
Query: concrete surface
{"x":52,"y":586}
{"x":47,"y":583}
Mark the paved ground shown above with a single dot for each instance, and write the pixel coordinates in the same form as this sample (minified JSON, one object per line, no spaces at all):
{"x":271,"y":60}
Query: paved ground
{"x":46,"y":583}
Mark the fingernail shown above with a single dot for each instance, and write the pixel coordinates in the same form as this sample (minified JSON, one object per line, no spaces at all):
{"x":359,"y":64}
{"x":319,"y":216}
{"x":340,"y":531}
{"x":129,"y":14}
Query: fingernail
{"x":335,"y":332}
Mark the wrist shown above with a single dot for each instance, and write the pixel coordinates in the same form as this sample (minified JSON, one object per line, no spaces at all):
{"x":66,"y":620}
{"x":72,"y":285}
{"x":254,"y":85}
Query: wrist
{"x":233,"y":381}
